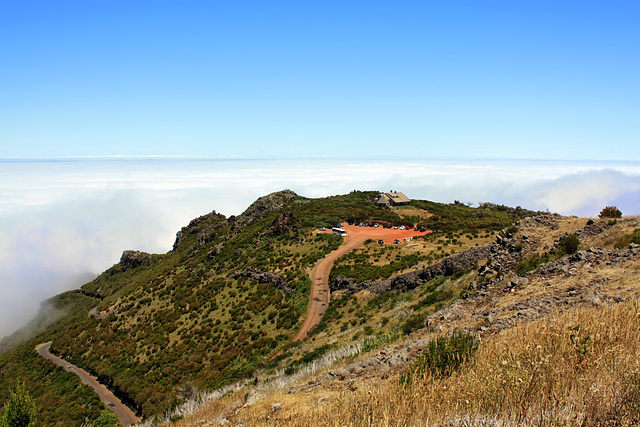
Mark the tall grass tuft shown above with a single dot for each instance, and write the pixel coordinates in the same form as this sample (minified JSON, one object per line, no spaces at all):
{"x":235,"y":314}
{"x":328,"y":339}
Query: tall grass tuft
{"x":442,"y":357}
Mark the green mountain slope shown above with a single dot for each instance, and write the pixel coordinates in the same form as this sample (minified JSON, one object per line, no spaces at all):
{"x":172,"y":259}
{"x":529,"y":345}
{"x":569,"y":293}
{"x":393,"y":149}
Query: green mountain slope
{"x":224,"y":302}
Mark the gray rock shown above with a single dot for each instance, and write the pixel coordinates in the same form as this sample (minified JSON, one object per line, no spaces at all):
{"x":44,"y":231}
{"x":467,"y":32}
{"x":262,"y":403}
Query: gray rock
{"x":403,"y":282}
{"x":134,"y":259}
{"x":265,"y":277}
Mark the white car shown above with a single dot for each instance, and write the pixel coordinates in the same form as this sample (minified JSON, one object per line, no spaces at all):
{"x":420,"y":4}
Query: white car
{"x":402,"y":227}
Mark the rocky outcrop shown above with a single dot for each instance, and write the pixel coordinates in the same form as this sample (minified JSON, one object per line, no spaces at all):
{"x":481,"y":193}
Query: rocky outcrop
{"x":403,"y":282}
{"x":592,"y":228}
{"x":264,"y":205}
{"x":284,"y":223}
{"x":134,"y":259}
{"x":204,"y":228}
{"x":207,"y":227}
{"x":569,"y":265}
{"x":265,"y":277}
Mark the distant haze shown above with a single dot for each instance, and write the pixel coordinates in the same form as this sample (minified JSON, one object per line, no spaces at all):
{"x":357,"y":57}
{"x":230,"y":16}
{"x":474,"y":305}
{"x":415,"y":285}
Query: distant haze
{"x":64,"y":221}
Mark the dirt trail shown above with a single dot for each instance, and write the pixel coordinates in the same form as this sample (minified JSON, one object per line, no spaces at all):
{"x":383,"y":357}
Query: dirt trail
{"x":124,"y":414}
{"x":319,"y":298}
{"x":356,"y":236}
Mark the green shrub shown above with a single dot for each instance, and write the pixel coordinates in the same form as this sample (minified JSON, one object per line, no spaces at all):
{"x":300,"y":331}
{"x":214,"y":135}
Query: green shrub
{"x":569,"y":243}
{"x":106,"y":419}
{"x":19,"y":409}
{"x":610,"y":212}
{"x":531,"y":263}
{"x":413,"y":323}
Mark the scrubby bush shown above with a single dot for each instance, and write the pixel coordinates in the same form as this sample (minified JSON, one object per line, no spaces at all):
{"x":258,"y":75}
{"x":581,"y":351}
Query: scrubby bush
{"x":569,"y":243}
{"x":413,"y":323}
{"x":19,"y":409}
{"x":106,"y":419}
{"x":610,"y":212}
{"x":531,"y":263}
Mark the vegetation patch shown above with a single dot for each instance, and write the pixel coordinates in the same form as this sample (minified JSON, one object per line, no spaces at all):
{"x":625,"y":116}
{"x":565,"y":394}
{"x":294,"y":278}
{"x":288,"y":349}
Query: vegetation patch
{"x":461,"y":217}
{"x":610,"y":212}
{"x":627,"y":240}
{"x":443,"y":356}
{"x":569,"y":244}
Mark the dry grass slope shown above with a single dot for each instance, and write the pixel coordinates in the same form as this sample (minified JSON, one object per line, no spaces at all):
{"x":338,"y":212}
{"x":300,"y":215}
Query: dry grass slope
{"x":581,"y":367}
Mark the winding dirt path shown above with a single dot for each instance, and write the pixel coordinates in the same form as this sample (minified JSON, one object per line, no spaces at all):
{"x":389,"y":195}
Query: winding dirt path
{"x":124,"y":414}
{"x":356,"y":236}
{"x":319,"y":298}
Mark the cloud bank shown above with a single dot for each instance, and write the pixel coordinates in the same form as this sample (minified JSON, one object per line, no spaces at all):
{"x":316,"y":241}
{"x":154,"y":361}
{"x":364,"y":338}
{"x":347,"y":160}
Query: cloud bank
{"x":62,"y":222}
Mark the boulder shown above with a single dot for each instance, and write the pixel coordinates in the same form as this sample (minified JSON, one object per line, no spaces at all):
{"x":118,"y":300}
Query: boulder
{"x":265,"y":277}
{"x":134,"y":259}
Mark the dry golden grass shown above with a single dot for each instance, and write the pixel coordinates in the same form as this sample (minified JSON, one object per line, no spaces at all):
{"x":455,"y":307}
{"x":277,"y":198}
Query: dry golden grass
{"x":581,"y":367}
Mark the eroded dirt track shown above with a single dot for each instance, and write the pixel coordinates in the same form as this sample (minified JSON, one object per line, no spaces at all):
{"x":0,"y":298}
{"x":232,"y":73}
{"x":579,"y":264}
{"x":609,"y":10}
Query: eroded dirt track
{"x":319,"y":299}
{"x":124,"y":414}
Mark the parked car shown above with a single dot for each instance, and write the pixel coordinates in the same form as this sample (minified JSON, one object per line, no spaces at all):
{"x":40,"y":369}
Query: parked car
{"x":376,"y":225}
{"x":407,"y":239}
{"x":395,"y":227}
{"x":381,"y":241}
{"x":422,"y":229}
{"x":396,"y":241}
{"x":322,"y":228}
{"x":402,"y":227}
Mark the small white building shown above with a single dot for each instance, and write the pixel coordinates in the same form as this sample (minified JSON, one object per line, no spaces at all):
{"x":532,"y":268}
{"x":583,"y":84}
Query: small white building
{"x":339,"y":232}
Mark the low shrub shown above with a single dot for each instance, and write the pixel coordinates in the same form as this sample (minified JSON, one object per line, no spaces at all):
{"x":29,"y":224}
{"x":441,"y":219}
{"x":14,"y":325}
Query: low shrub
{"x":511,"y":229}
{"x":610,"y":212}
{"x":569,"y":243}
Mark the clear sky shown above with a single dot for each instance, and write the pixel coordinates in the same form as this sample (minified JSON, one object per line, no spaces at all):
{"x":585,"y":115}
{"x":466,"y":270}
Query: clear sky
{"x":446,"y":79}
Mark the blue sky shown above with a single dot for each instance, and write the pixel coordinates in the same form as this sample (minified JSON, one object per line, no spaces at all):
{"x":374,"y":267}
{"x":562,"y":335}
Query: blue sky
{"x":433,"y":79}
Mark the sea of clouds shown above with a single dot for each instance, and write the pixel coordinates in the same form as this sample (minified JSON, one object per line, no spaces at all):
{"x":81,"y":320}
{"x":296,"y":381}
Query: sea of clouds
{"x":64,"y":221}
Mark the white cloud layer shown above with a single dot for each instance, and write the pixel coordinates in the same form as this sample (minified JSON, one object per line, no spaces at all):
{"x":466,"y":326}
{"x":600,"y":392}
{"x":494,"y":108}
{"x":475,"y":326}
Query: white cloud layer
{"x":63,"y":220}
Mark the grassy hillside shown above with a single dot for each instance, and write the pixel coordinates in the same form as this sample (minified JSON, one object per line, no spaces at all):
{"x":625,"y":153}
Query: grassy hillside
{"x":228,"y":298}
{"x":556,"y":347}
